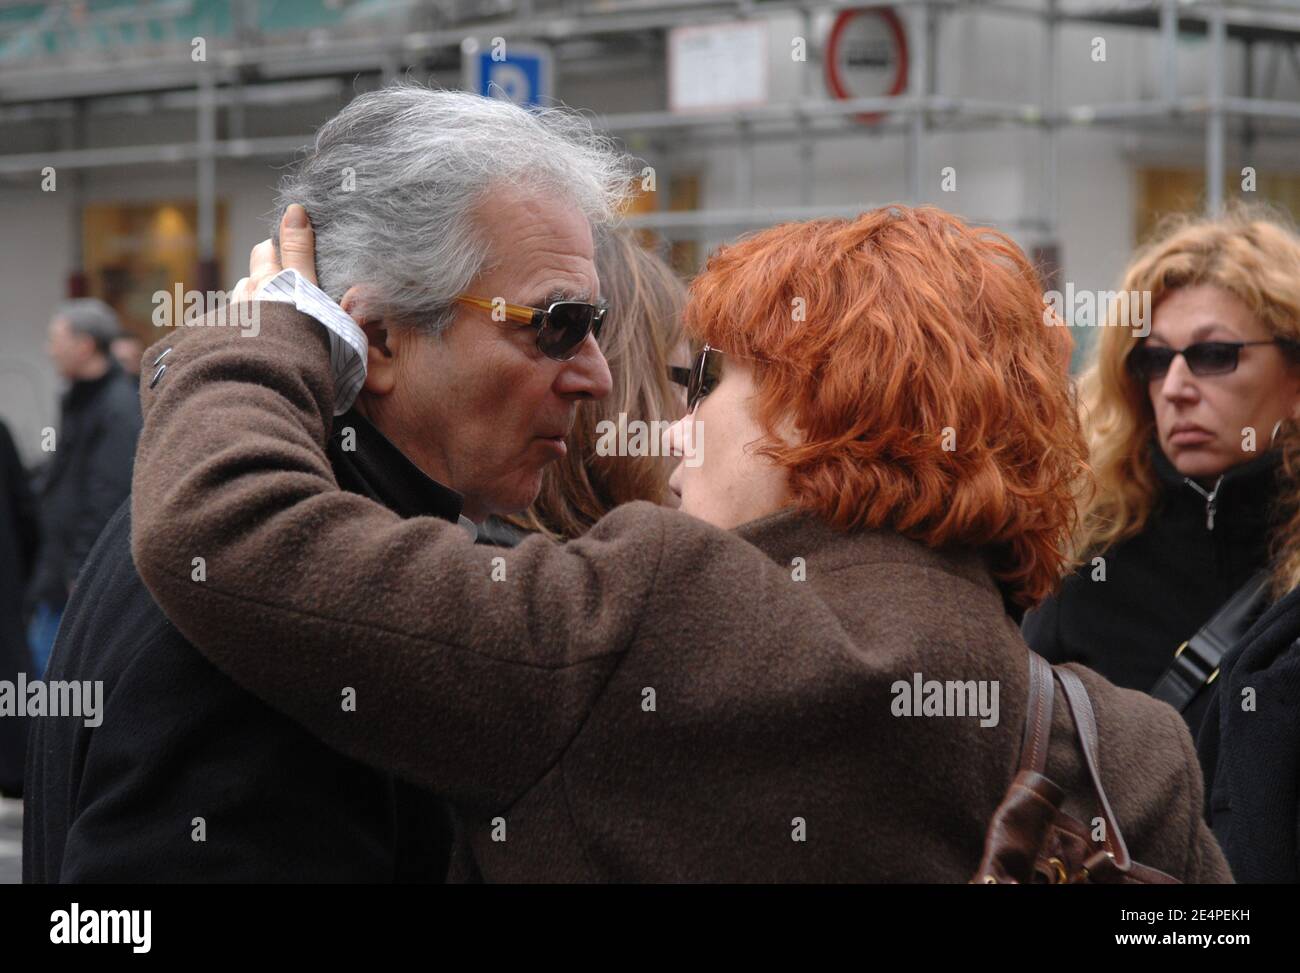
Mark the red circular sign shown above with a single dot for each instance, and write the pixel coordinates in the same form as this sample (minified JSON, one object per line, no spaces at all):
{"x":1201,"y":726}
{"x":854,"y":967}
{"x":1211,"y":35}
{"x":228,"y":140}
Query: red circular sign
{"x":866,"y":56}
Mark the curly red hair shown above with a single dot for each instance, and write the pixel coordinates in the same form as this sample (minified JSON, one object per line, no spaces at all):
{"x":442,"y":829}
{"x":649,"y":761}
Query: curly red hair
{"x":917,"y":357}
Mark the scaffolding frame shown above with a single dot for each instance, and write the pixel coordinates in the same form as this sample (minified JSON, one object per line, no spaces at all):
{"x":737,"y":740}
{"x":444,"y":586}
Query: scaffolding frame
{"x":251,"y":71}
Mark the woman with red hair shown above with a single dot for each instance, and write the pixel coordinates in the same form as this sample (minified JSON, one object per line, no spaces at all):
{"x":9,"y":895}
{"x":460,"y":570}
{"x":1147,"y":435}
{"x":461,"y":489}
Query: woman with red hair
{"x":879,"y":466}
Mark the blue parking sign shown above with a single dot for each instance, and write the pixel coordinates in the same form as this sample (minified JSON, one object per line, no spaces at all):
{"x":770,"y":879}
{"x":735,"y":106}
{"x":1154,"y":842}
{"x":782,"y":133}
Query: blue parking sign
{"x":516,"y":72}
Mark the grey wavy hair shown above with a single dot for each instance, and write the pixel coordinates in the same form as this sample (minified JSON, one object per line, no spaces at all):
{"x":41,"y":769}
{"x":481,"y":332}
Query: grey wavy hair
{"x":418,"y":162}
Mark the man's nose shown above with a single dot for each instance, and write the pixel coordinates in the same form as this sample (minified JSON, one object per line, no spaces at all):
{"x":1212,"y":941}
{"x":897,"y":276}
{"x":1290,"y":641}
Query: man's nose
{"x":1178,"y":384}
{"x":586,"y":375}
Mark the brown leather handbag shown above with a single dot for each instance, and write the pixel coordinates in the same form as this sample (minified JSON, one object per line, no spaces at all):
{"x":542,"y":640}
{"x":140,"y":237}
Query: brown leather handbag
{"x":1030,"y":839}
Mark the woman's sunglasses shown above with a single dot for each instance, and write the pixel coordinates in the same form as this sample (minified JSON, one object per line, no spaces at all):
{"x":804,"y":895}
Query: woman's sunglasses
{"x":561,"y":328}
{"x":1149,"y":363}
{"x":704,"y":376}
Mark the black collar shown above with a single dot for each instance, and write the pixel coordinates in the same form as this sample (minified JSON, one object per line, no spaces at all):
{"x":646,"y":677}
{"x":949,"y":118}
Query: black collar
{"x":1262,"y":467}
{"x":82,"y":390}
{"x":1244,"y":495}
{"x":375,"y":468}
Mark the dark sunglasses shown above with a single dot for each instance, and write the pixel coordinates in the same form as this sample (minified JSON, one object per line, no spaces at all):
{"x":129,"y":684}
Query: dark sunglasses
{"x":561,"y":328}
{"x":1149,"y":363}
{"x":706,"y":373}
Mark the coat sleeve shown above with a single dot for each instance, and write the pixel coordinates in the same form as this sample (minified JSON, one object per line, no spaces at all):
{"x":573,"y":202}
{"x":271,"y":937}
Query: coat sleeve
{"x":464,"y":668}
{"x":108,"y":474}
{"x":21,"y":502}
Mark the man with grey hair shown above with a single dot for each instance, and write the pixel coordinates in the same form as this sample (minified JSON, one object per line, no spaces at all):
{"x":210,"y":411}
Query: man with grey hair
{"x":89,"y":472}
{"x":453,"y":242}
{"x":456,"y":232}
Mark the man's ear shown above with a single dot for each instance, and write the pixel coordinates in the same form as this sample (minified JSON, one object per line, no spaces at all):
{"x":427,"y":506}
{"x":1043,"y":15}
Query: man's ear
{"x":381,"y":365}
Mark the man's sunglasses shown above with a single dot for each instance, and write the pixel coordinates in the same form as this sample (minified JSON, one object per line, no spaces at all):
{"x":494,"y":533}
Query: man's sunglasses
{"x":561,"y":328}
{"x":1149,"y":363}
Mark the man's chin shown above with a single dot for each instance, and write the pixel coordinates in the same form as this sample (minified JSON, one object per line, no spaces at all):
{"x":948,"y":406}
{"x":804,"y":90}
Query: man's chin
{"x":517,"y":501}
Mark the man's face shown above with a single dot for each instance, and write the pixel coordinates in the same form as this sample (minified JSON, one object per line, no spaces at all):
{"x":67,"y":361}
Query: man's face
{"x":480,"y":408}
{"x":68,"y":350}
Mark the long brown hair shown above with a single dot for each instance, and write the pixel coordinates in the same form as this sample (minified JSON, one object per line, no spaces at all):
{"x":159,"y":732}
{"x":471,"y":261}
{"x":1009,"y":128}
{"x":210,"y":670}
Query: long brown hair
{"x":643,"y":326}
{"x":1249,"y":253}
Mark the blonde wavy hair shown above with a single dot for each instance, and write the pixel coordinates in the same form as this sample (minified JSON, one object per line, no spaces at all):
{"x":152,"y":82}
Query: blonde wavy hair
{"x":1286,"y":542}
{"x":1251,"y":252}
{"x":641,"y":330}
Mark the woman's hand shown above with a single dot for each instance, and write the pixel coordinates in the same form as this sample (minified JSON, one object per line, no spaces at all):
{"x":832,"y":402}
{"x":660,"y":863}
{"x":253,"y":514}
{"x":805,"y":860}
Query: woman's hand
{"x":297,"y":249}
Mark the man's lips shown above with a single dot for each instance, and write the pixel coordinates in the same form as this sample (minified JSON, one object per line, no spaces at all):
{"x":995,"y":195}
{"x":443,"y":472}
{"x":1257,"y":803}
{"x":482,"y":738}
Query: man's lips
{"x":557,"y":443}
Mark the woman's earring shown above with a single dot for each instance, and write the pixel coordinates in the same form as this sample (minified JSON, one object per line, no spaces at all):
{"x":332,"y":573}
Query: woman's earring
{"x":1273,"y":438}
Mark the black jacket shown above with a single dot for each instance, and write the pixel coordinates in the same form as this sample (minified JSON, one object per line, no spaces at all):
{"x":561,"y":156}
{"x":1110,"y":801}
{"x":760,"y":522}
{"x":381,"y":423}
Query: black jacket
{"x":180,"y":741}
{"x":87,"y":478}
{"x":1162,"y":585}
{"x":1251,"y":756}
{"x":17,"y":556}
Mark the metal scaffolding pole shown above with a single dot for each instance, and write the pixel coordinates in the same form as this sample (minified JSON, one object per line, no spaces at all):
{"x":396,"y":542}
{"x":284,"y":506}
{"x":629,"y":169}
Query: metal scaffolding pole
{"x":918,"y":24}
{"x":1250,"y":130}
{"x":744,"y":153}
{"x":1169,"y":50}
{"x":1214,"y":122}
{"x":807,"y":148}
{"x":1051,"y":157}
{"x":207,"y":181}
{"x":74,"y":137}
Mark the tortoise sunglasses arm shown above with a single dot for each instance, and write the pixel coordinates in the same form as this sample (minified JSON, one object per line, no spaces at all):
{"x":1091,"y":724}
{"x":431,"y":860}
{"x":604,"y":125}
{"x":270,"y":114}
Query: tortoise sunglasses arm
{"x":514,"y":312}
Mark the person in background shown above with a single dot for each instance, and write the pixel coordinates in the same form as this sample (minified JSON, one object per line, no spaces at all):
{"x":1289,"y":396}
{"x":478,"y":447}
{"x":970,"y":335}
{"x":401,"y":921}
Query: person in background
{"x":89,"y":473}
{"x":128,"y":349}
{"x":648,"y":356}
{"x":1181,"y":425}
{"x":18,"y":537}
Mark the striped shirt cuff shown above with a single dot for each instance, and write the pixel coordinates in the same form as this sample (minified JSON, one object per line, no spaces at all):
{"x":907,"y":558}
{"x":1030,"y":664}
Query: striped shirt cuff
{"x":348,"y":343}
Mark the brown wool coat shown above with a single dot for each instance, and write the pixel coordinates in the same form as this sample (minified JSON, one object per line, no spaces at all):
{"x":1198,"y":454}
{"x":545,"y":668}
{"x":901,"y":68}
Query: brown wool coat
{"x":528,"y":700}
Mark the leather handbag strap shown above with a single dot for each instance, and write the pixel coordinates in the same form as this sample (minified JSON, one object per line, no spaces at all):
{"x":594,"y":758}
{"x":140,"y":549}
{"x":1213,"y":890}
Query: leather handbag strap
{"x":1085,"y":723}
{"x":1038,"y":717}
{"x":1196,"y":663}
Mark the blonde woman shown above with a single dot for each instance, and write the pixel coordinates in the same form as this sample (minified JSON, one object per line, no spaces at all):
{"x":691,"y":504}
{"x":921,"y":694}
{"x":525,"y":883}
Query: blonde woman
{"x":1181,"y":424}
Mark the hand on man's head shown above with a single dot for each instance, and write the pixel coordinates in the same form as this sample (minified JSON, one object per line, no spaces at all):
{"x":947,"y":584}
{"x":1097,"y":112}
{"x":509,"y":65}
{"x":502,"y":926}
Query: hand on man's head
{"x":297,"y":252}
